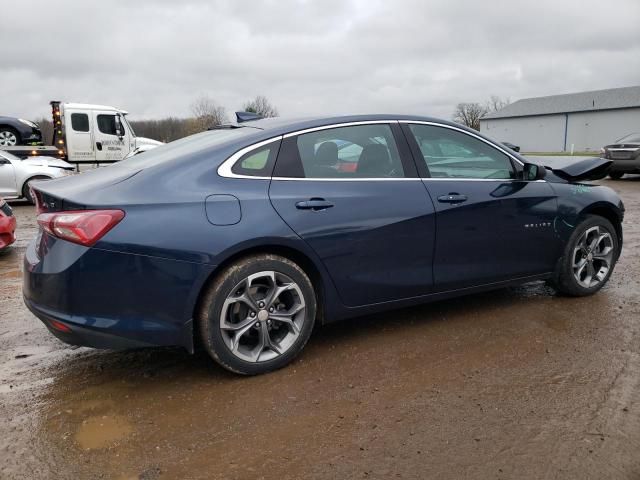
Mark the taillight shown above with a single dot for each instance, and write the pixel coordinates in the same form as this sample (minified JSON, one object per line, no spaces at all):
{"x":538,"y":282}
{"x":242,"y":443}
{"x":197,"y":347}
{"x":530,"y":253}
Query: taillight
{"x":84,"y":227}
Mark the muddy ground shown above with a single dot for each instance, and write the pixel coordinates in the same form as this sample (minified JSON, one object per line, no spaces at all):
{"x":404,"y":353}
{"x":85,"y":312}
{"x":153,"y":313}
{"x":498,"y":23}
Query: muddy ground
{"x":518,"y":383}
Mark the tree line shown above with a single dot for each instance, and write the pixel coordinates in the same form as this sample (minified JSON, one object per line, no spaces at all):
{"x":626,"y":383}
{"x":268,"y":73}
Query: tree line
{"x":469,"y":114}
{"x":205,"y":113}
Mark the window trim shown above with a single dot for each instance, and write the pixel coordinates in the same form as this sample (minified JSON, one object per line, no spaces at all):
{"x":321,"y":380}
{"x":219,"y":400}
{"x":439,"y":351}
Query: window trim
{"x":224,"y":170}
{"x":515,"y":162}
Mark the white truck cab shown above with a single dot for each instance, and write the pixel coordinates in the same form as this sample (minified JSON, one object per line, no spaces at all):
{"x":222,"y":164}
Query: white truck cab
{"x":94,"y":133}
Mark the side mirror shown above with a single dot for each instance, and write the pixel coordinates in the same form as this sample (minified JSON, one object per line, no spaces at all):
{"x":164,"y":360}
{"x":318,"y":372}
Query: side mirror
{"x":532,"y":172}
{"x":119,"y":130}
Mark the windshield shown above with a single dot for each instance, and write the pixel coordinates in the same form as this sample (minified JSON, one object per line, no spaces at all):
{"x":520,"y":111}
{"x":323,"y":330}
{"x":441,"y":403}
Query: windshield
{"x":631,"y":138}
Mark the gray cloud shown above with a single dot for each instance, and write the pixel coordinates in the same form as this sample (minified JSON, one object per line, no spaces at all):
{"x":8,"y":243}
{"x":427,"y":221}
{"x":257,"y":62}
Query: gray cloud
{"x":154,"y":58}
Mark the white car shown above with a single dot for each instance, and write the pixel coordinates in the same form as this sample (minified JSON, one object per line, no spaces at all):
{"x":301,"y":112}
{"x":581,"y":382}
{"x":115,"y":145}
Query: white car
{"x":17,"y":174}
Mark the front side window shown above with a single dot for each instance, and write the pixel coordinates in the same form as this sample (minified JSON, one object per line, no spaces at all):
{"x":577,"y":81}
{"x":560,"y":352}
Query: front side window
{"x":80,"y":122}
{"x":107,"y":124}
{"x":452,"y":154}
{"x":359,"y":151}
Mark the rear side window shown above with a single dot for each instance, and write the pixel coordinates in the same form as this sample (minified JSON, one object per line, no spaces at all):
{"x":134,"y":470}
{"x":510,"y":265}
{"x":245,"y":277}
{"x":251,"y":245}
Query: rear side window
{"x":107,"y":124}
{"x":449,"y":153}
{"x":80,"y":122}
{"x":258,"y":162}
{"x":359,"y":151}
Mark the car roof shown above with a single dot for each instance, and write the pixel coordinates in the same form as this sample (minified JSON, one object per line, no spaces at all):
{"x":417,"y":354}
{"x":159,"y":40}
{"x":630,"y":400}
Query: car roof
{"x":283,"y":125}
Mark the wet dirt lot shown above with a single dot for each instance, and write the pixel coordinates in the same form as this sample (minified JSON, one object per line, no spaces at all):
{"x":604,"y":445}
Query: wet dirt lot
{"x":517,"y":383}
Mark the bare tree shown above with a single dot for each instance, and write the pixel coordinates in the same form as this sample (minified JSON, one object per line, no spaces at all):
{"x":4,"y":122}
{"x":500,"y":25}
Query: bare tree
{"x":469,"y":114}
{"x":262,"y":106}
{"x":496,"y":103}
{"x":207,"y":114}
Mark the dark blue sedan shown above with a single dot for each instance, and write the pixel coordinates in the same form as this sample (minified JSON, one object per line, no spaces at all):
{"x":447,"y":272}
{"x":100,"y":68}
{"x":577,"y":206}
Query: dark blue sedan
{"x":244,"y":237}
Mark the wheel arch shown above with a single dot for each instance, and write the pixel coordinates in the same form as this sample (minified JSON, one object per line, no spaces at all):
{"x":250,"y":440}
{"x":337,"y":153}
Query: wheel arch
{"x":27,"y":179}
{"x":608,"y":211}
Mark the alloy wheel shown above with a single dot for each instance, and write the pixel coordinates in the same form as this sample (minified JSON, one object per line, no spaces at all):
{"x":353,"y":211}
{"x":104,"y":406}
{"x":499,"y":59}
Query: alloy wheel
{"x":8,"y":139}
{"x":262,"y":316}
{"x":593,"y":256}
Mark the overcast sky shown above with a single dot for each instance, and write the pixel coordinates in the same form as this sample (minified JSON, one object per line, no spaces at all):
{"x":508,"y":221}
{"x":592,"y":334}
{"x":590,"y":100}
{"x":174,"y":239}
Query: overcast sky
{"x":153,"y":58}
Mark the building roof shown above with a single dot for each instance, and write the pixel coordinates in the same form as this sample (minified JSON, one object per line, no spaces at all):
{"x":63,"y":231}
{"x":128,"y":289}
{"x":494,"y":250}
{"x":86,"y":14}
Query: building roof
{"x":612,"y":98}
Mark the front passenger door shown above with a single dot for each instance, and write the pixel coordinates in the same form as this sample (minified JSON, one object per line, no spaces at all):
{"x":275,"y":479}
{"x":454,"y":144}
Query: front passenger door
{"x":492,"y":225}
{"x":109,"y":145}
{"x":7,"y":178}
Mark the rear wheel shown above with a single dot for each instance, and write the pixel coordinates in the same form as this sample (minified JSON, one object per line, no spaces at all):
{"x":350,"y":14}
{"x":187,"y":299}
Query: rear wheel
{"x":9,"y":137}
{"x":589,"y":257}
{"x":258,"y":314}
{"x":615,"y":175}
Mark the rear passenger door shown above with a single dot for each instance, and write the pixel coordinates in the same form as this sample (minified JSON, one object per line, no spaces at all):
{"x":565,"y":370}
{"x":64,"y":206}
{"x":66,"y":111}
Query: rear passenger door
{"x":492,"y":225}
{"x":352,"y":193}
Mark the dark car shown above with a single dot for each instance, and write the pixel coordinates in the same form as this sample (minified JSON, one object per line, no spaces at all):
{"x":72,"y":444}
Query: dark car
{"x":242,"y":238}
{"x":513,"y":147}
{"x":625,"y":154}
{"x":18,"y":131}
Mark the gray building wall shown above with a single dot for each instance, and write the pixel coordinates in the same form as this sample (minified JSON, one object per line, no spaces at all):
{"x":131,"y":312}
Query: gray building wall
{"x":544,"y":133}
{"x":587,"y":131}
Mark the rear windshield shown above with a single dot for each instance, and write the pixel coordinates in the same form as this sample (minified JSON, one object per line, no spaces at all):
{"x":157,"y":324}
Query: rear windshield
{"x":631,"y":138}
{"x":184,"y":147}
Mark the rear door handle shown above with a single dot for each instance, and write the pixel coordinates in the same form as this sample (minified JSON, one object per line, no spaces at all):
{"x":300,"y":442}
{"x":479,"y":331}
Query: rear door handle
{"x":314,"y":204}
{"x":452,"y":198}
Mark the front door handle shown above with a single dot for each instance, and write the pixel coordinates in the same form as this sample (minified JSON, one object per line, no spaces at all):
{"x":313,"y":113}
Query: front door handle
{"x":314,"y":204}
{"x":99,"y":145}
{"x":452,"y":198}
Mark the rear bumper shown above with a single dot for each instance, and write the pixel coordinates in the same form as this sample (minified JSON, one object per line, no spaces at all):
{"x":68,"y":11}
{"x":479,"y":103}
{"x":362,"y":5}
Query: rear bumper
{"x":108,"y":299}
{"x":78,"y":334}
{"x":7,"y":231}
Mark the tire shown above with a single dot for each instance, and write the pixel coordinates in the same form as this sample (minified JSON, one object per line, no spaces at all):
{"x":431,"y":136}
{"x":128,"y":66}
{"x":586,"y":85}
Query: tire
{"x":574,"y":276}
{"x":251,"y":340}
{"x":9,"y":137}
{"x":616,"y":175}
{"x":26,"y":190}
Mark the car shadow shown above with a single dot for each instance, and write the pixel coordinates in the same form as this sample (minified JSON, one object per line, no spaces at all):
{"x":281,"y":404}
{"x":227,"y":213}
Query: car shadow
{"x":159,"y":365}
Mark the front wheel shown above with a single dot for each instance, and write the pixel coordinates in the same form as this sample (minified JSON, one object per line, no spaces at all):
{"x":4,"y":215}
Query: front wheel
{"x":615,"y":175}
{"x":589,"y":258}
{"x":258,"y":314}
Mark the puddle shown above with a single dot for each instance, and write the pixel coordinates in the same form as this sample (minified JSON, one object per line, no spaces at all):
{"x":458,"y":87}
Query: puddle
{"x":102,"y":431}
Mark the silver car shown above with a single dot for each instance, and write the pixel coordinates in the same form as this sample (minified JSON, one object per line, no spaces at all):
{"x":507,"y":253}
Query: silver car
{"x":625,"y":153}
{"x":16,"y":174}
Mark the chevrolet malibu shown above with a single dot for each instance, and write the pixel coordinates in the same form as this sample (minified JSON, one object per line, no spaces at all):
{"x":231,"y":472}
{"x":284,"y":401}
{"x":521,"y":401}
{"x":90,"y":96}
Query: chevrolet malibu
{"x":241,"y":239}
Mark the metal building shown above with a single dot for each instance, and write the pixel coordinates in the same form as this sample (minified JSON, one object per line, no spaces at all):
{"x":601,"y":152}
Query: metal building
{"x":585,"y":120}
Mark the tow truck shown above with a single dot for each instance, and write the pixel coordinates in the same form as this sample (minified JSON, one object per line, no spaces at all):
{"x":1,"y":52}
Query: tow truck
{"x":85,"y":134}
